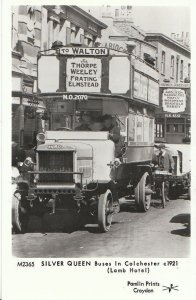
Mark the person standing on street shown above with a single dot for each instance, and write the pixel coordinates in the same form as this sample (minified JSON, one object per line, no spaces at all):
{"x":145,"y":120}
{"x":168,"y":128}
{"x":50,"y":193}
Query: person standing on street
{"x":30,"y":152}
{"x":166,"y":163}
{"x":165,"y":160}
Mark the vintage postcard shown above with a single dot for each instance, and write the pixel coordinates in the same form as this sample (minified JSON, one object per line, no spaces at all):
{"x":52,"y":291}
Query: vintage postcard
{"x":97,"y":131}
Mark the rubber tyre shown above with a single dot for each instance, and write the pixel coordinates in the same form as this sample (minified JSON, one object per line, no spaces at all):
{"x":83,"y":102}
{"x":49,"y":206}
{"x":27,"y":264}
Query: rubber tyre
{"x":105,"y":206}
{"x":142,"y":200}
{"x":19,"y":215}
{"x":163,"y":194}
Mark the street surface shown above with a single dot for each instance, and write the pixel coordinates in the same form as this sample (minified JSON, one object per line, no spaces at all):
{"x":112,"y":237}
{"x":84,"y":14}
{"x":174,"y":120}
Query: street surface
{"x":157,"y":233}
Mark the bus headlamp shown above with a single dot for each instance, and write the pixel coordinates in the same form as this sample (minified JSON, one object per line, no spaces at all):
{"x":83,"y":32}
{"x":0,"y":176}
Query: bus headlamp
{"x":40,"y":137}
{"x":117,"y":162}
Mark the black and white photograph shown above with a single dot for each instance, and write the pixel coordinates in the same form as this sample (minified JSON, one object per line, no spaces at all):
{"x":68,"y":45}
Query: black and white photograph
{"x":100,"y":133}
{"x":99,"y":130}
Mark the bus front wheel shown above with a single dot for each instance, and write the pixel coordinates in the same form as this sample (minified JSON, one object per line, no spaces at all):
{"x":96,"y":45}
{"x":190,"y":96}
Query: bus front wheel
{"x":105,"y":211}
{"x":19,"y":214}
{"x":143,"y":199}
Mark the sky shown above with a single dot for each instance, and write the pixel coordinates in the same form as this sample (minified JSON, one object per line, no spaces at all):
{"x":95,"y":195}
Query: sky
{"x":165,"y":20}
{"x":162,"y":19}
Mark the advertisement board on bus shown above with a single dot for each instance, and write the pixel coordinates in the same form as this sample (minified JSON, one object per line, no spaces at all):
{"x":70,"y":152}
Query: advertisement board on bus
{"x":92,"y":70}
{"x":83,"y":74}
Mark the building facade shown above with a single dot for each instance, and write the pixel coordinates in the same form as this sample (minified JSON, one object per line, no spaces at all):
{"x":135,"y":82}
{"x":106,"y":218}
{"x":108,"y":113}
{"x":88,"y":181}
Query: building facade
{"x":36,"y":28}
{"x":26,"y":42}
{"x":70,"y":25}
{"x":121,"y":31}
{"x":174,"y":65}
{"x":173,"y":58}
{"x":169,"y":55}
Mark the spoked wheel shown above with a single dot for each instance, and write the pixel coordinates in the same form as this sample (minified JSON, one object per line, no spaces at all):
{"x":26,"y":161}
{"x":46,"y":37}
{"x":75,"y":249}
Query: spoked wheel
{"x":163,"y":194}
{"x":105,"y":211}
{"x":142,"y":198}
{"x":19,"y":214}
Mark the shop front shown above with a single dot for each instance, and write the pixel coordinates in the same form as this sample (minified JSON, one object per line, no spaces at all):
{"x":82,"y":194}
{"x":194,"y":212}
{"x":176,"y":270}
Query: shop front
{"x":173,"y":123}
{"x":28,"y":118}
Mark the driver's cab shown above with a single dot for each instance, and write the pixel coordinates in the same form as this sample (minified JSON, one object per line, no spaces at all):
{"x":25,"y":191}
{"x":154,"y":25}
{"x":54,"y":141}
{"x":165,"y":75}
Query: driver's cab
{"x":93,"y":115}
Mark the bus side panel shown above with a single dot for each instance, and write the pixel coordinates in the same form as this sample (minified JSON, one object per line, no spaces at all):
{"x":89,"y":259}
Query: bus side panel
{"x":139,"y":153}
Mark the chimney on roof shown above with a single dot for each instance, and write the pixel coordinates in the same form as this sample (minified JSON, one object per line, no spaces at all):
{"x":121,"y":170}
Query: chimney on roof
{"x":187,"y":40}
{"x":106,"y":11}
{"x":123,"y":13}
{"x":107,"y":14}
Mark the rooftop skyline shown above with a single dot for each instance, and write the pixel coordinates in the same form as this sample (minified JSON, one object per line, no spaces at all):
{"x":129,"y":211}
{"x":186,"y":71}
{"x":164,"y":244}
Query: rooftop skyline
{"x":165,"y":20}
{"x":162,"y":19}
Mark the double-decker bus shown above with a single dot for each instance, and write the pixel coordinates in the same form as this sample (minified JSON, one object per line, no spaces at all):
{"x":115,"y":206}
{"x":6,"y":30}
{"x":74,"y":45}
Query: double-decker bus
{"x":99,"y":139}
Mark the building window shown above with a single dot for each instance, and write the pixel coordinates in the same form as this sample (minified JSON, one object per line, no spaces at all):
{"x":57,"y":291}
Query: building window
{"x":13,"y":32}
{"x":88,"y":42}
{"x":88,"y":39}
{"x":177,"y":68}
{"x":163,"y":62}
{"x":68,"y":36}
{"x":181,"y":70}
{"x":172,"y":67}
{"x":156,"y":62}
{"x":149,"y":59}
{"x":175,"y":128}
{"x":189,"y":70}
{"x":159,"y":128}
{"x":62,"y":32}
{"x":188,"y":131}
{"x":73,"y":33}
{"x":82,"y":39}
{"x":55,"y":31}
{"x":31,"y":22}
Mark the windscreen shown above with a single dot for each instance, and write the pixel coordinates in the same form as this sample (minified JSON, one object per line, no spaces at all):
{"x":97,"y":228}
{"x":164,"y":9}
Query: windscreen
{"x":88,"y":115}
